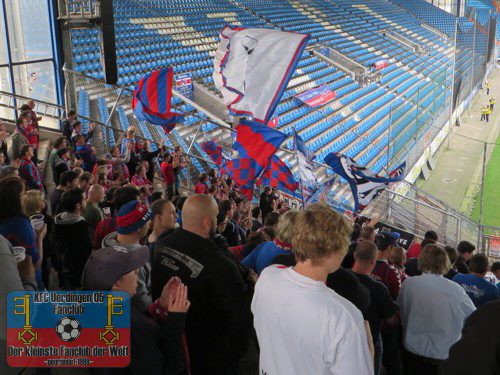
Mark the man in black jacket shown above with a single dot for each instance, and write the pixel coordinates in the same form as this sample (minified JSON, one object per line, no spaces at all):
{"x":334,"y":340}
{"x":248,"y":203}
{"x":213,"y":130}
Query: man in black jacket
{"x":62,"y":164}
{"x":230,"y":233}
{"x":67,"y":180}
{"x":72,"y":237}
{"x":219,"y":321}
{"x":477,"y":352}
{"x":465,"y":250}
{"x":156,"y":347}
{"x":147,"y":155}
{"x":266,"y":202}
{"x":67,"y":124}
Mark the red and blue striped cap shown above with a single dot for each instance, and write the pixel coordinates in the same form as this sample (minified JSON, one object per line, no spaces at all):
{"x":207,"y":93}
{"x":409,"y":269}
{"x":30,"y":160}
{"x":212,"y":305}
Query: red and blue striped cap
{"x":132,"y":216}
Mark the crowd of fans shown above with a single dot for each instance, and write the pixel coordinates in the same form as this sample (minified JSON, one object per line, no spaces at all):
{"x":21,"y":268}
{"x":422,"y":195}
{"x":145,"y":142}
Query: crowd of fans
{"x":219,"y":286}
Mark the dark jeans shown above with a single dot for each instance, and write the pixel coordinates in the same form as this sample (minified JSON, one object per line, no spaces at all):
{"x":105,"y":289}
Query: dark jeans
{"x":378,"y":354}
{"x":391,"y":356}
{"x":34,"y":159}
{"x":414,"y":364}
{"x":169,"y":190}
{"x":46,"y":265}
{"x":177,"y":184}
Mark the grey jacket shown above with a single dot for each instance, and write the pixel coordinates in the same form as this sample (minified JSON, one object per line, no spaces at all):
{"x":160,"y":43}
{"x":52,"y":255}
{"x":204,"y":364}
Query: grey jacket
{"x":142,"y":298}
{"x":9,"y":281}
{"x":18,"y":141}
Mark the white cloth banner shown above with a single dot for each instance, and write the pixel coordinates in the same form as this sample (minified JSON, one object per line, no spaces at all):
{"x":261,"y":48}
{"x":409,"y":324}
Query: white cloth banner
{"x":252,"y":68}
{"x":306,"y":174}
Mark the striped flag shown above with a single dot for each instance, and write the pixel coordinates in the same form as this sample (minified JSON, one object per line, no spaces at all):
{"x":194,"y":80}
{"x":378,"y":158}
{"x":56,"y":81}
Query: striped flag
{"x":151,"y":101}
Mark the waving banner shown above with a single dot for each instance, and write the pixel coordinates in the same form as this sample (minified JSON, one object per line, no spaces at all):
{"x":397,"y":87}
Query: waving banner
{"x":365,"y":184}
{"x":151,"y":101}
{"x":252,"y":68}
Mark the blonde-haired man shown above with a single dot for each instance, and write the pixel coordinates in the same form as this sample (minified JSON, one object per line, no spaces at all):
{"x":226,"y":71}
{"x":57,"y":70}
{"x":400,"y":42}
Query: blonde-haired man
{"x":303,"y":327}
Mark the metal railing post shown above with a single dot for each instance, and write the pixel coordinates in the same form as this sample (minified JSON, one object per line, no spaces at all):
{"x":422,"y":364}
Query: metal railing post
{"x":472,"y":65}
{"x":195,"y":136}
{"x":107,"y":127}
{"x":483,"y":174}
{"x":453,"y":79}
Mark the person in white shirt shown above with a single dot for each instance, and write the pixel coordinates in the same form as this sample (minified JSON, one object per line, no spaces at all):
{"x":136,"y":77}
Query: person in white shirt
{"x":302,"y":326}
{"x":433,"y":311}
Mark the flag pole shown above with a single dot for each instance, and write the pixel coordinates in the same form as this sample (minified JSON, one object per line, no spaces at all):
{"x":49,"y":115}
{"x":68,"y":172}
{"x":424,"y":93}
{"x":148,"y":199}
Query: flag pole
{"x":482,"y":195}
{"x":301,"y":187}
{"x":472,"y":65}
{"x":298,"y":166}
{"x":453,"y":80}
{"x":389,"y":139}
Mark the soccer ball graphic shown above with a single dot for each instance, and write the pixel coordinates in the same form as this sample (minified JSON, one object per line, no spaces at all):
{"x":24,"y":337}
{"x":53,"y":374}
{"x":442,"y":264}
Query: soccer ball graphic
{"x":68,"y":329}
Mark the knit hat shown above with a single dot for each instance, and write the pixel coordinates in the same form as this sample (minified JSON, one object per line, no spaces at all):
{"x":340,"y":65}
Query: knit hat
{"x":106,"y":266}
{"x":132,"y":216}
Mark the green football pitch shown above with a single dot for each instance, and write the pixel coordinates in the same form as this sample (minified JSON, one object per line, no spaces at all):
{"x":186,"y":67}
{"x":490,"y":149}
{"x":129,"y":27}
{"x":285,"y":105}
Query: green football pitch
{"x":491,"y":205}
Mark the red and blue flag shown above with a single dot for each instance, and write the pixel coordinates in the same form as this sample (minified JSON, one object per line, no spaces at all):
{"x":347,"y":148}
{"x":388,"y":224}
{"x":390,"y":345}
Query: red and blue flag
{"x":257,"y":141}
{"x":214,"y":151}
{"x":278,"y":174}
{"x":243,"y":172}
{"x":152,"y":96}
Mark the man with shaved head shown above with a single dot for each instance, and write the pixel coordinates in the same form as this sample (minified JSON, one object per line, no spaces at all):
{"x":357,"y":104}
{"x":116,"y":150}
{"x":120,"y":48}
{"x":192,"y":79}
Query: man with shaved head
{"x":219,"y":320}
{"x":93,"y":213}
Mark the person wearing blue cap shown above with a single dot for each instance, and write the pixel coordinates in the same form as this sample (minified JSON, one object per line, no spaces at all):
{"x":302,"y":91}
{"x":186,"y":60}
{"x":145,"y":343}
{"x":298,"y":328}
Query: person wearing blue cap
{"x":132,"y":226}
{"x":383,"y":271}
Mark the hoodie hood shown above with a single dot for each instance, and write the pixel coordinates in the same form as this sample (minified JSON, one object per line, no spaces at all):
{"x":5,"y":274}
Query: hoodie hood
{"x":67,"y":218}
{"x":112,"y":240}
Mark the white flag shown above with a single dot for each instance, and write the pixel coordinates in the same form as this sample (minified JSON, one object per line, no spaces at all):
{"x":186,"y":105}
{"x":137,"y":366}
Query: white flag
{"x":252,"y":68}
{"x":308,"y":181}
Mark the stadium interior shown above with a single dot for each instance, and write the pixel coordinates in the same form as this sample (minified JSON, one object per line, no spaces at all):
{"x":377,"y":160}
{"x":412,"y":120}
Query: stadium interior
{"x":436,"y":62}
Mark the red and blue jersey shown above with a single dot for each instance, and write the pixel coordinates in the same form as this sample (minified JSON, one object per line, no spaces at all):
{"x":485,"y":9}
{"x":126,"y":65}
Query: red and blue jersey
{"x":387,"y":275}
{"x":30,"y":173}
{"x":19,"y":232}
{"x":86,"y":154}
{"x":141,"y":181}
